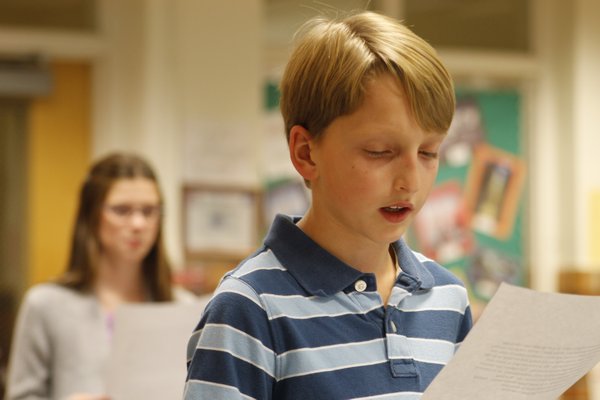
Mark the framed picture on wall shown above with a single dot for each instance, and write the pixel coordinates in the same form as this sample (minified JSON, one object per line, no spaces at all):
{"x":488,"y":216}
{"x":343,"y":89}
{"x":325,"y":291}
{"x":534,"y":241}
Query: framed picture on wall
{"x":493,"y":191}
{"x":220,"y":221}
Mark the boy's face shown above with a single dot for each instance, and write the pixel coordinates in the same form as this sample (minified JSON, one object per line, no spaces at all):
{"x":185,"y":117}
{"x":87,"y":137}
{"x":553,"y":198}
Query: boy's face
{"x":375,"y":167}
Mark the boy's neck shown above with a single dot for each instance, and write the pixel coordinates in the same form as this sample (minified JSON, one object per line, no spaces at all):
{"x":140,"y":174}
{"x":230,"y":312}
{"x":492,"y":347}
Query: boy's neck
{"x":357,"y":252}
{"x":362,"y":255}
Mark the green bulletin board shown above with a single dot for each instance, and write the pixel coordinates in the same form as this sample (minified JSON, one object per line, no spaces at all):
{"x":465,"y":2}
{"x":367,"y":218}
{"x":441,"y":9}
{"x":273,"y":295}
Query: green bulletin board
{"x":473,"y":221}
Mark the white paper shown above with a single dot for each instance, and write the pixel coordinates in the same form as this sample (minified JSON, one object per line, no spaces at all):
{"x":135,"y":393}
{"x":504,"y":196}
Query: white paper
{"x":148,"y":355}
{"x":526,"y":345}
{"x":217,"y":151}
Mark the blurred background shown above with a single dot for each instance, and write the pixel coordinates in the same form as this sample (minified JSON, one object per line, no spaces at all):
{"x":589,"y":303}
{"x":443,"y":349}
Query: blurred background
{"x":192,"y":86}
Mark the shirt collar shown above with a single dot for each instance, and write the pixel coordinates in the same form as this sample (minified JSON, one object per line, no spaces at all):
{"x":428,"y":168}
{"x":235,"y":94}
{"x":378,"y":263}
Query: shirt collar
{"x":412,"y":267}
{"x":305,"y":260}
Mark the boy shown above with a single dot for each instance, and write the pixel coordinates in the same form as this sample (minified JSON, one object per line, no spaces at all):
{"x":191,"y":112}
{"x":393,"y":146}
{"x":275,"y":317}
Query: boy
{"x":335,"y":305}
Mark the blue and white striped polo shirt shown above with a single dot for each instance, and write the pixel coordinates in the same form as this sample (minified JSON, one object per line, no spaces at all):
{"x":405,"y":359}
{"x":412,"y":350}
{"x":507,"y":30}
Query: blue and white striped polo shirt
{"x":294,"y":322}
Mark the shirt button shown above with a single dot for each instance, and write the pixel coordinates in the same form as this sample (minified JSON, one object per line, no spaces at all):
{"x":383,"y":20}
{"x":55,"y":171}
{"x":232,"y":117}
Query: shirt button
{"x":360,"y":285}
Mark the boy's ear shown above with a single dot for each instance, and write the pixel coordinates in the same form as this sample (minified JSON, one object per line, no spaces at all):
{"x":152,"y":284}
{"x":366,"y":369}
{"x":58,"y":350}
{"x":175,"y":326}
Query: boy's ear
{"x":301,"y":145}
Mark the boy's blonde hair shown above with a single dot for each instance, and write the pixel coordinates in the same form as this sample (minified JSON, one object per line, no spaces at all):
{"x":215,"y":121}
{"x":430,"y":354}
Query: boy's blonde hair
{"x":334,"y":58}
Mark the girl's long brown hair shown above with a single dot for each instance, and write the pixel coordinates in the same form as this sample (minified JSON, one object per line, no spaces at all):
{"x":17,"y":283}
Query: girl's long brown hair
{"x":82,"y":267}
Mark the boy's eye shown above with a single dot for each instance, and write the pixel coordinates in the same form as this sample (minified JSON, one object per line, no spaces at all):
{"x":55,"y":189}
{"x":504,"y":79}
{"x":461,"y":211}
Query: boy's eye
{"x":429,"y":154}
{"x":377,"y":153}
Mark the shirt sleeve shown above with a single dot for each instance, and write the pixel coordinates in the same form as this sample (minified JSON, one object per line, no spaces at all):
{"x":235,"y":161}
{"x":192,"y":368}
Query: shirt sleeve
{"x":231,"y":353}
{"x":29,"y":363}
{"x":465,"y":326}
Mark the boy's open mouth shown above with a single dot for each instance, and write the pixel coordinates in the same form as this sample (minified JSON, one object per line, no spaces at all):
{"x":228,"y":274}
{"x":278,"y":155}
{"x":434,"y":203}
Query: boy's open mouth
{"x":396,"y":214}
{"x":395,"y":209}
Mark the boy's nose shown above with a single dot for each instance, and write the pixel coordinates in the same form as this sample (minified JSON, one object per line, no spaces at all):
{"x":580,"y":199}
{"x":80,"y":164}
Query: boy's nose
{"x":407,"y":177}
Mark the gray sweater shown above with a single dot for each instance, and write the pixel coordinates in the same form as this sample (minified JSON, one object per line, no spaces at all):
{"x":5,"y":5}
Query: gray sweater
{"x":61,"y":344}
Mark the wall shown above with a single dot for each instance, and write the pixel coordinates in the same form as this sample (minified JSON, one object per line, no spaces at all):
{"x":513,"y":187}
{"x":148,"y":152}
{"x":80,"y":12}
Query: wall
{"x":565,"y":127}
{"x":174,"y":68}
{"x":586,"y":129}
{"x":550,"y":116}
{"x":162,"y":70}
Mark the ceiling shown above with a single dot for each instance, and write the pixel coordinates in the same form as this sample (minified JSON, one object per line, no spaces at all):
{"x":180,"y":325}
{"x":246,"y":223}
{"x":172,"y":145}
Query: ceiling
{"x":489,"y":24}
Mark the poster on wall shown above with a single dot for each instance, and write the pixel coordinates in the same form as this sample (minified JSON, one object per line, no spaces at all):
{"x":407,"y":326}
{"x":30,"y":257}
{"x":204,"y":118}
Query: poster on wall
{"x":473,"y":221}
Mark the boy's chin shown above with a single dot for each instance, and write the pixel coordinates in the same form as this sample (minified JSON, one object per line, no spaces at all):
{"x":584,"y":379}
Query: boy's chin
{"x":393,"y":236}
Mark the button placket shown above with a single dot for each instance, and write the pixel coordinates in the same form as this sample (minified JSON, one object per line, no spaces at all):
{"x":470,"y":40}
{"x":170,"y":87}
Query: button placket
{"x":399,"y":353}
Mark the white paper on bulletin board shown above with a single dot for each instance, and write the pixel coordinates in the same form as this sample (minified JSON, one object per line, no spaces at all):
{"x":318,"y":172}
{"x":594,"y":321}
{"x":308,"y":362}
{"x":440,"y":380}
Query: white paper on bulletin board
{"x":217,"y":151}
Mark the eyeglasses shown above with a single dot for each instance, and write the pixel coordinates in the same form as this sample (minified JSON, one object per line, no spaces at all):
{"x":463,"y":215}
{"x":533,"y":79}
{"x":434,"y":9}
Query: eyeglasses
{"x":126,"y":211}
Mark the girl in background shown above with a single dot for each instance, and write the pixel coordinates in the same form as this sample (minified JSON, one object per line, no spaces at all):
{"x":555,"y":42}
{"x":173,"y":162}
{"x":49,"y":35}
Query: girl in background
{"x":63,"y":332}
